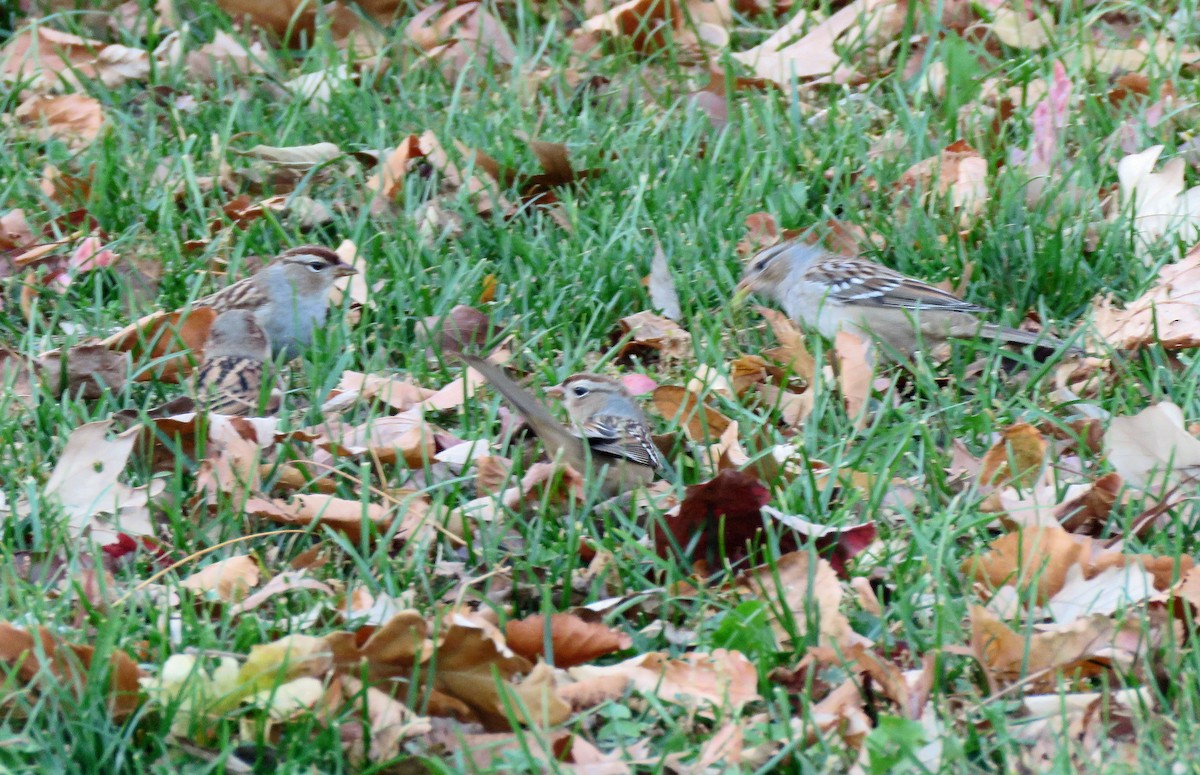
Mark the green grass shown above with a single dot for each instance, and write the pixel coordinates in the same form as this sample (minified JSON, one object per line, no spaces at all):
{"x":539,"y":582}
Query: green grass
{"x":666,"y":174}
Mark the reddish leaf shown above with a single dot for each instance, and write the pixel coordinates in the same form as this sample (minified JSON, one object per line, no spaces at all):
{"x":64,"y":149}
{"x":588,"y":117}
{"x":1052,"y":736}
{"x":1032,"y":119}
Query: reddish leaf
{"x":724,"y":512}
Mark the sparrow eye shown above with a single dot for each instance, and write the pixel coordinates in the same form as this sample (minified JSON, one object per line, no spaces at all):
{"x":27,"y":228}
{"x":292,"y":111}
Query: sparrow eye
{"x":580,"y":391}
{"x":316,"y":266}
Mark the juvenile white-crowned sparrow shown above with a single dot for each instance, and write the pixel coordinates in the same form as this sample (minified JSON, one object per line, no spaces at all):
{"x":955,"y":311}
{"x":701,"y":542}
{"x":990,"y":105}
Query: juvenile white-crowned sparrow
{"x":230,"y":380}
{"x":613,"y":436}
{"x":289,"y":296}
{"x":831,"y":292}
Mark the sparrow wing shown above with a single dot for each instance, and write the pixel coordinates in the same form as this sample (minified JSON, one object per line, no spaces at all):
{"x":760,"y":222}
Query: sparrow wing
{"x":858,"y":281}
{"x":623,"y":437}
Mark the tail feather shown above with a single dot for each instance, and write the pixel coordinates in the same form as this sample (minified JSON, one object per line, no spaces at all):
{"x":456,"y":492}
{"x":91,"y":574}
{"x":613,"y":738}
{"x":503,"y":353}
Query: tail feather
{"x":1018,"y":336}
{"x":549,"y":430}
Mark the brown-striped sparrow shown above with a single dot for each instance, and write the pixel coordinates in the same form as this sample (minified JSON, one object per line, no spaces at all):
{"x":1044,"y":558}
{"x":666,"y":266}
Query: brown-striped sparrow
{"x":230,"y":380}
{"x":831,"y":292}
{"x":289,"y":297}
{"x":613,"y":436}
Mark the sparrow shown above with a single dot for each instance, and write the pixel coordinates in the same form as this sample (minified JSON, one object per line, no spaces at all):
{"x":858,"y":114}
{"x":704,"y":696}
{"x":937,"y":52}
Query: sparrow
{"x":612,"y":436}
{"x":230,"y":380}
{"x":831,"y":293}
{"x":289,"y":297}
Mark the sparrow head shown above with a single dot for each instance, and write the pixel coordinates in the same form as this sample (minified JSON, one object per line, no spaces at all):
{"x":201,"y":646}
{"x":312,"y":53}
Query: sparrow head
{"x":236,"y":333}
{"x":586,"y":395}
{"x":310,"y":268}
{"x":769,"y":270}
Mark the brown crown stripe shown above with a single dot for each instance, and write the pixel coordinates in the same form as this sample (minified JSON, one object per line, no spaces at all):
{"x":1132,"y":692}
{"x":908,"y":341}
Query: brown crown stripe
{"x":319,"y":251}
{"x":591,"y":378}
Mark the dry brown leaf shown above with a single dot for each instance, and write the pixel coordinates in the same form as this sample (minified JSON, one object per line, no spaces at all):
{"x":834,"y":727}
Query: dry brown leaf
{"x":390,"y":722}
{"x":791,"y":352}
{"x":455,"y":35}
{"x":86,"y":371}
{"x":1040,"y":557}
{"x":399,"y":394}
{"x":958,"y":173}
{"x":818,"y":54}
{"x":794,"y":408}
{"x":463,"y":329}
{"x":85,"y":482}
{"x":1083,"y":648}
{"x":722,"y":679}
{"x":347,"y":517}
{"x":1016,"y":459}
{"x":651,"y":334}
{"x":30,"y":661}
{"x":466,"y":658}
{"x":662,"y":286}
{"x":1168,"y":314}
{"x":798,"y":597}
{"x":228,"y":580}
{"x":647,"y":24}
{"x":1159,"y":206}
{"x":160,"y":334}
{"x":402,"y":437}
{"x":1153,"y":446}
{"x":15,"y":232}
{"x":224,"y":55}
{"x":42,"y":56}
{"x":281,"y":584}
{"x":385,"y":185}
{"x":73,"y":118}
{"x":573,"y":640}
{"x":855,"y":370}
{"x":700,"y":421}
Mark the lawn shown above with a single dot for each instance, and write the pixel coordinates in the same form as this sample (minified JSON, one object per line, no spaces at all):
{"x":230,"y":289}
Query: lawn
{"x":975,"y":561}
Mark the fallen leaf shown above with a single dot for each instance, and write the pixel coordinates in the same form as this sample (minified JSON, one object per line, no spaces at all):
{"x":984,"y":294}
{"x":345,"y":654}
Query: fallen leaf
{"x":29,"y":660}
{"x":228,"y":580}
{"x":662,"y":287}
{"x":1016,"y":459}
{"x":958,"y":173}
{"x":179,"y":334}
{"x":42,"y":56}
{"x":1083,"y":648}
{"x":855,"y":371}
{"x":74,"y":118}
{"x":84,"y":482}
{"x":390,"y":721}
{"x":1166,"y":315}
{"x":455,"y":35}
{"x":347,"y":517}
{"x":721,"y":679}
{"x":388,"y":183}
{"x":462,"y":330}
{"x":792,"y":352}
{"x":817,"y":52}
{"x":224,"y":56}
{"x":650,"y":334}
{"x":700,"y":421}
{"x":722,"y":513}
{"x":803,"y":599}
{"x":573,"y":641}
{"x":1153,"y":446}
{"x":469,"y":661}
{"x":86,"y":371}
{"x":1157,"y":202}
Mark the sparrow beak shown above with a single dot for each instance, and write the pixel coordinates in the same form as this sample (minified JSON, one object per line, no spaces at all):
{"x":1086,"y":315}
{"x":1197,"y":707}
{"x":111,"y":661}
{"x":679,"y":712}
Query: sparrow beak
{"x":343,"y":270}
{"x":742,"y":291}
{"x":555,"y":391}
